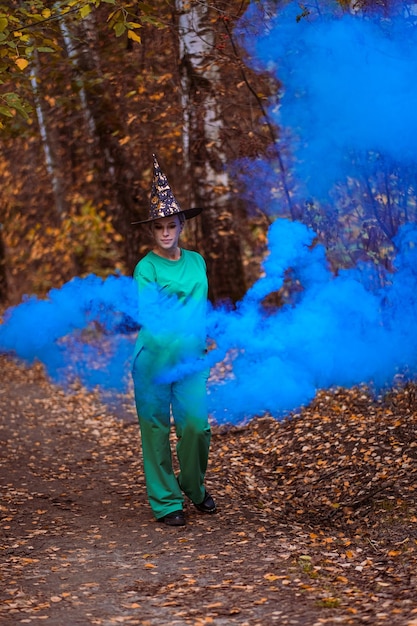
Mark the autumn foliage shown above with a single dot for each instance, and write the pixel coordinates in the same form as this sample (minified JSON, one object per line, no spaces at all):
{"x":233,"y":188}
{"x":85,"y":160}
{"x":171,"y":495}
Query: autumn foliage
{"x":317,"y":520}
{"x":89,"y":92}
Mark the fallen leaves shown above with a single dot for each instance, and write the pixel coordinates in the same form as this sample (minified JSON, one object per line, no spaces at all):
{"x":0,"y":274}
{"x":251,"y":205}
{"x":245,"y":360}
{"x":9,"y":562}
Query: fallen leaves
{"x":317,"y":516}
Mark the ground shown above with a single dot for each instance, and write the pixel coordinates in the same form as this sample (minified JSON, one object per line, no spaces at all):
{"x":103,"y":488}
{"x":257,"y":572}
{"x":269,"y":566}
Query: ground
{"x":316,"y":522}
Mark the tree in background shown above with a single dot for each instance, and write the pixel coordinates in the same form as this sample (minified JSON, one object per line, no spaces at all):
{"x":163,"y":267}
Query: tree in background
{"x":104,"y":104}
{"x":204,"y":152}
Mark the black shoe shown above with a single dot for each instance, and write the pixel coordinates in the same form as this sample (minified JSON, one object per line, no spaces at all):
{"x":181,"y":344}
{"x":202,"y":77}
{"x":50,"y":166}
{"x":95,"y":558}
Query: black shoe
{"x":176,"y":518}
{"x":207,"y":505}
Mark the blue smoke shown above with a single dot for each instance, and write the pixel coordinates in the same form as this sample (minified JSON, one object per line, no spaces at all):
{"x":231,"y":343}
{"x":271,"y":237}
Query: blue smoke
{"x":348,"y":86}
{"x":349,"y":90}
{"x":335,"y":333}
{"x":81,"y":332}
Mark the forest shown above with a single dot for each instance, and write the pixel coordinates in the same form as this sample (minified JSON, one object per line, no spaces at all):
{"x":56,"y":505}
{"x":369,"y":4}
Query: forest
{"x":91,"y":88}
{"x":89,"y":91}
{"x":293,"y":126}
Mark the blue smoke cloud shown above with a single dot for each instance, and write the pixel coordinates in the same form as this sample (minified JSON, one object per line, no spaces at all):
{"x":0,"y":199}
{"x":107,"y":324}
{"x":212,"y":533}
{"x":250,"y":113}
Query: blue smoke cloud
{"x":337,"y":333}
{"x":79,"y":332}
{"x":348,"y":85}
{"x":349,"y":88}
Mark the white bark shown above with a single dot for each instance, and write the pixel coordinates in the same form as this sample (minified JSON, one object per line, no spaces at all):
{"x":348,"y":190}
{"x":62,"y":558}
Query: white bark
{"x":203,"y":150}
{"x":201,"y":122}
{"x":46,"y":142}
{"x":71,"y":50}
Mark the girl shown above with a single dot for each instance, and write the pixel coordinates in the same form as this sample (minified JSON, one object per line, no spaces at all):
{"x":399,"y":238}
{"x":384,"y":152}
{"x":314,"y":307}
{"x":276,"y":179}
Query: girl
{"x":168,"y":372}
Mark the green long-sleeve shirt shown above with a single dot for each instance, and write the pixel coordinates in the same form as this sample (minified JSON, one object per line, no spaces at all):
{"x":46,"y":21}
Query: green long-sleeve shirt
{"x":172,"y":308}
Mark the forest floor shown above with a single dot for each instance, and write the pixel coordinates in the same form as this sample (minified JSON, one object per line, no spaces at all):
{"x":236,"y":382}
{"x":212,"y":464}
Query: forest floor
{"x":316,"y":522}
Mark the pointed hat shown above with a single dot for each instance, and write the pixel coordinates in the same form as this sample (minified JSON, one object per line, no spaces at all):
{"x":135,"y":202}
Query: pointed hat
{"x":163,"y":202}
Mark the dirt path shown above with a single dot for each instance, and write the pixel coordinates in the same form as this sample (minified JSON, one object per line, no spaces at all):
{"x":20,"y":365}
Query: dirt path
{"x":79,"y":545}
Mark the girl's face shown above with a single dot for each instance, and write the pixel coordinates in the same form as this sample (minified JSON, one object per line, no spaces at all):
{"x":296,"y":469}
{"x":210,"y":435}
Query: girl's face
{"x":166,"y":232}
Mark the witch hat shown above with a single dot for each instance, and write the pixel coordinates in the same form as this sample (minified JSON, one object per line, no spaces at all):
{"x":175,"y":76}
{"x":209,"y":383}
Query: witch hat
{"x":163,"y":202}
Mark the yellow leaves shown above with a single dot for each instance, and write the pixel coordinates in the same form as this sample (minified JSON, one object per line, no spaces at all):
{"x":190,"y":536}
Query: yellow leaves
{"x":22,"y":63}
{"x":133,"y":36}
{"x":3,"y":23}
{"x":22,"y":37}
{"x":119,"y":22}
{"x":85,"y":11}
{"x":86,"y":232}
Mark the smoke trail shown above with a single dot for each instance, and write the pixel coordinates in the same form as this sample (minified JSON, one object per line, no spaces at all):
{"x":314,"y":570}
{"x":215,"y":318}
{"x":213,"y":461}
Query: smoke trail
{"x":336,"y":333}
{"x":81,"y":331}
{"x":349,"y":90}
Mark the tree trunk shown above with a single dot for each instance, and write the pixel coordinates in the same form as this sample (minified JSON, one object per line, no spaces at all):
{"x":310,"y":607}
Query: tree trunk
{"x":115,"y":167}
{"x":71,"y":50}
{"x":204,"y":158}
{"x":50,"y":159}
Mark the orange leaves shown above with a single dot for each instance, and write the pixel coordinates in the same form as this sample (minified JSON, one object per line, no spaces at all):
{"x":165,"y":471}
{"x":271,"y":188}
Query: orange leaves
{"x":79,"y":536}
{"x":394,"y":552}
{"x":86,"y":236}
{"x":24,"y":560}
{"x":345,"y":468}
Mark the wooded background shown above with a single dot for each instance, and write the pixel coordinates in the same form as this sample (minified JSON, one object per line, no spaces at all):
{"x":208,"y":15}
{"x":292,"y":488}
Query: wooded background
{"x":91,"y":88}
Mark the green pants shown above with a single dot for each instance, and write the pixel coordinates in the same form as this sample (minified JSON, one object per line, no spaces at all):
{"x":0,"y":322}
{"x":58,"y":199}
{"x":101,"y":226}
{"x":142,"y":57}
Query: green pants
{"x":187,"y":400}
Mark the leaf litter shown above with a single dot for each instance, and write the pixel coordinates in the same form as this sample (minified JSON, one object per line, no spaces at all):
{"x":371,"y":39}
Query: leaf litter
{"x":317,"y":520}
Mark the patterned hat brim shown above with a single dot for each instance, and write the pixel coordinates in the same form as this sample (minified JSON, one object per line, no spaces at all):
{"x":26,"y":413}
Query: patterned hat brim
{"x":188,"y":213}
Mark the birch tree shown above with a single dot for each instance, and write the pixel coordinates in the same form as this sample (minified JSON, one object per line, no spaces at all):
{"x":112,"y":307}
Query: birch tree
{"x":204,"y":157}
{"x":52,"y":167}
{"x":110,"y":162}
